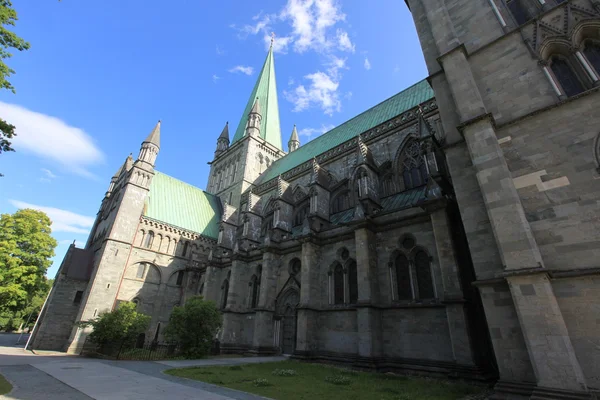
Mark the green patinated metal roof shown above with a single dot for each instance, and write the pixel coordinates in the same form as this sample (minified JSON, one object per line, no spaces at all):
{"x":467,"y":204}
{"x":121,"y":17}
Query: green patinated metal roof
{"x":406,"y":199}
{"x":265,"y":90}
{"x":384,"y":111}
{"x":399,"y":201}
{"x":183,"y":205}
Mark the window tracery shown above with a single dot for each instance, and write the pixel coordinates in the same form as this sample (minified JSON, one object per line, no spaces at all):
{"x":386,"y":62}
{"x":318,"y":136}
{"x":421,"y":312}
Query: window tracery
{"x":414,"y":171}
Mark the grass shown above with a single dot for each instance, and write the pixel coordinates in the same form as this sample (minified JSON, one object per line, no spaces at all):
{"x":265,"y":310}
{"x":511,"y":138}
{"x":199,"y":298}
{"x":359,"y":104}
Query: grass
{"x":5,"y":387}
{"x":317,"y":381}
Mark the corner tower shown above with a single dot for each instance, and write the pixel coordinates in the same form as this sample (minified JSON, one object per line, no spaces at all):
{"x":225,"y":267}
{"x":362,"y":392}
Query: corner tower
{"x":256,"y":142}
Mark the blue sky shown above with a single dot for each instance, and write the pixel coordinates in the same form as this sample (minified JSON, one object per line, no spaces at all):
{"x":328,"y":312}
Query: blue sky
{"x":100,"y":74}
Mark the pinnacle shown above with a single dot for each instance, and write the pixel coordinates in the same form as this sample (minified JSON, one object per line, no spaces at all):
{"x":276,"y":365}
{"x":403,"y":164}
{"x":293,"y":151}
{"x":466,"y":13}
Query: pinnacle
{"x":294,"y":137}
{"x":256,"y":107}
{"x":154,"y":136}
{"x":225,"y":132}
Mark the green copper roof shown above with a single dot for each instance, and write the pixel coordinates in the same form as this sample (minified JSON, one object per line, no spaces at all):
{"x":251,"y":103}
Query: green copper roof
{"x":384,"y":111}
{"x":265,"y":90}
{"x":180,"y":204}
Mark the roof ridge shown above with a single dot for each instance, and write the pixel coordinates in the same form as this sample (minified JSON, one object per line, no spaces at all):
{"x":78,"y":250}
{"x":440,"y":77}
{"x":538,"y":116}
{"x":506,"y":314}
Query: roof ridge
{"x":353,"y":118}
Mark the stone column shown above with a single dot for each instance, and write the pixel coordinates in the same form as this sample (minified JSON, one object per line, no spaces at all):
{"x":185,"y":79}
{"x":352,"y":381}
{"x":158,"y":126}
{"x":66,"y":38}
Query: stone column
{"x":262,"y":342}
{"x":233,"y":321}
{"x":452,"y":296}
{"x":306,"y":338}
{"x":543,"y":328}
{"x":367,"y":317}
{"x":550,"y":350}
{"x":212,"y":284}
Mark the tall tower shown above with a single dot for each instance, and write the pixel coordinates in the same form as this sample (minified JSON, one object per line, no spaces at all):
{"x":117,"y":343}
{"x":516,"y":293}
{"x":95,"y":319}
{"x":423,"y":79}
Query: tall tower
{"x":256,"y":143}
{"x":114,"y":232}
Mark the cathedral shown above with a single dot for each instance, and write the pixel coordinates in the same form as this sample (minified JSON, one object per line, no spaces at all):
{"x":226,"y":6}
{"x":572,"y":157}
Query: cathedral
{"x":451,"y":230}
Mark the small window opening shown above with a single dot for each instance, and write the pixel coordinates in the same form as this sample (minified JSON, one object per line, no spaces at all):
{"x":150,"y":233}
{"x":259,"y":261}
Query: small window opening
{"x":78,"y":296}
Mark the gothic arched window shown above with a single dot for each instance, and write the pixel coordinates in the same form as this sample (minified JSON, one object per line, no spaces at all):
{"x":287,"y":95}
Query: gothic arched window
{"x":267,"y":225}
{"x":224,"y":293}
{"x":254,"y":287}
{"x":387,"y":185}
{"x":341,"y":202}
{"x":338,"y":285}
{"x":414,"y":170}
{"x":566,"y":76}
{"x":518,"y":10}
{"x":185,"y":248}
{"x":179,"y":278}
{"x":403,"y":284}
{"x":424,"y":278}
{"x":301,"y":215}
{"x":149,"y":239}
{"x":592,"y":53}
{"x":352,"y":282}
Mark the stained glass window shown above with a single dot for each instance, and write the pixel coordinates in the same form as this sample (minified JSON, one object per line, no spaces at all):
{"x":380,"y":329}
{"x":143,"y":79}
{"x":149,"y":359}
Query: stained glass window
{"x":338,"y":284}
{"x":353,"y":282}
{"x":403,"y":278}
{"x":592,"y":53}
{"x":566,"y":76}
{"x":424,"y":279}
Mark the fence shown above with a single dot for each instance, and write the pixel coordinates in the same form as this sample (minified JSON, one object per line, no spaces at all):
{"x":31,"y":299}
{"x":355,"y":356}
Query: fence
{"x":142,"y":351}
{"x":138,"y":351}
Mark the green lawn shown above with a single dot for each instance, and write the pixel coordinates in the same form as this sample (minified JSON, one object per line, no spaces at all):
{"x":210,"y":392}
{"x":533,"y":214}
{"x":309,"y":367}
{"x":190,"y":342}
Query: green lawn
{"x":316,"y":381}
{"x":5,"y":387}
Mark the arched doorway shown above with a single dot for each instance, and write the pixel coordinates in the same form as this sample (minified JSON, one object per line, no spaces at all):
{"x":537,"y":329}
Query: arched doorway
{"x":286,"y":310}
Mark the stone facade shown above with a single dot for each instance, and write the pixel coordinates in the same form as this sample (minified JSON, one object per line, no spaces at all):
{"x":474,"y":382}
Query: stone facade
{"x":455,"y":235}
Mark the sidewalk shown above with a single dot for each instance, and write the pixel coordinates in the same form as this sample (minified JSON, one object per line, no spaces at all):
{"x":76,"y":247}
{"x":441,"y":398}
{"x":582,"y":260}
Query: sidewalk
{"x":57,"y":376}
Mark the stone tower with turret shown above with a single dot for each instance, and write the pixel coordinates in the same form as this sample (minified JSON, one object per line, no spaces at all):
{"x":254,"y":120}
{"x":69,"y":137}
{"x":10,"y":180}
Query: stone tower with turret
{"x":113,"y":234}
{"x":256,"y":142}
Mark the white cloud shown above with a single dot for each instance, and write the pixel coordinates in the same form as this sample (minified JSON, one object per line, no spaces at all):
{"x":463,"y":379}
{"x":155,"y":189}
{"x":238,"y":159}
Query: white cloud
{"x":220,"y":51}
{"x":261,"y":24}
{"x":322,"y":91}
{"x":314,"y":27}
{"x":215,"y":78}
{"x":48,"y":173}
{"x":310,"y":21}
{"x":243,"y":69}
{"x":344,"y":42}
{"x":52,"y":138}
{"x":62,"y":220}
{"x":310,"y":132}
{"x":280,"y":44}
{"x":367,"y":64}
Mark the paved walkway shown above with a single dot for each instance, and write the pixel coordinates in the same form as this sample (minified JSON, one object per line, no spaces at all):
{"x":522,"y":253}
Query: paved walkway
{"x":54,"y":376}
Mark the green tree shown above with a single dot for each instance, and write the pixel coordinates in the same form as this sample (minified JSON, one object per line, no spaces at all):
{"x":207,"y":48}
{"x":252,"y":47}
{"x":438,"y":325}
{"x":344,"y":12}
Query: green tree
{"x":8,"y":40}
{"x":120,"y":326}
{"x":194,"y":326}
{"x":26,"y":247}
{"x":26,"y":317}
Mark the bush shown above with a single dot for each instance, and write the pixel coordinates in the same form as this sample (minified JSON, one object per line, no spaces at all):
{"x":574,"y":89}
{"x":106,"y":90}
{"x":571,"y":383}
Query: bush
{"x":284,"y":372}
{"x":338,"y":380}
{"x":194,"y":326}
{"x":261,"y":382}
{"x":120,"y":326}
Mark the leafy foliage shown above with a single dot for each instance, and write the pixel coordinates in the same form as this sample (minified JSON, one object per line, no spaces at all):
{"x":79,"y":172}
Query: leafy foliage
{"x":194,"y":326}
{"x":26,"y":247}
{"x":26,"y":317}
{"x":284,"y":372}
{"x":8,"y":40}
{"x":120,"y":326}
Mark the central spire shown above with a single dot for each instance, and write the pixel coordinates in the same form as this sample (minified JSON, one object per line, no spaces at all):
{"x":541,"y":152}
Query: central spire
{"x":265,"y":93}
